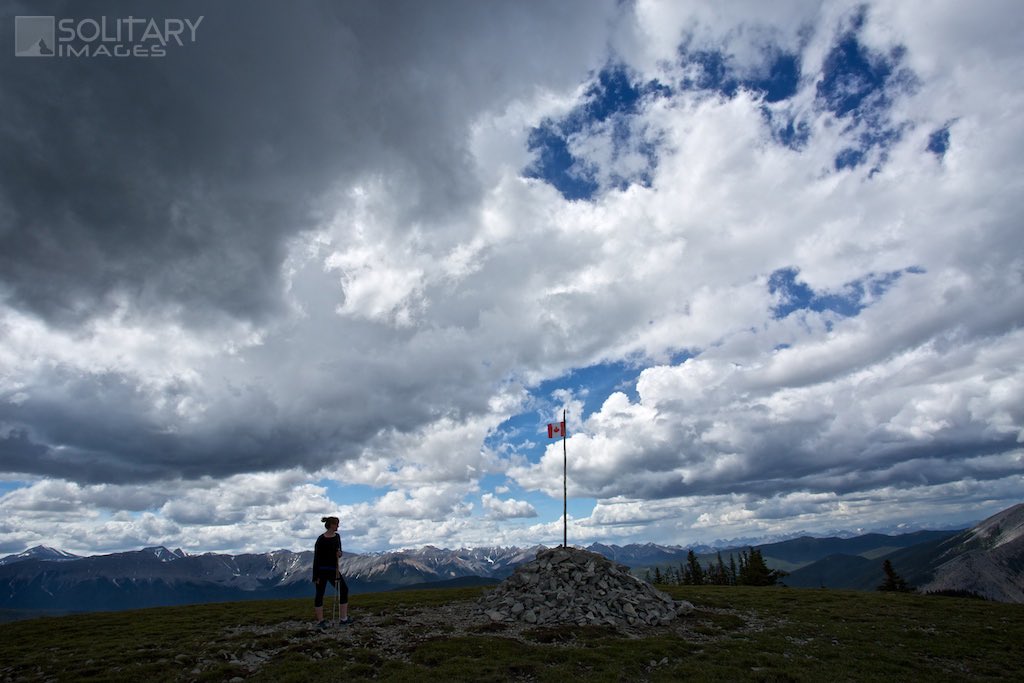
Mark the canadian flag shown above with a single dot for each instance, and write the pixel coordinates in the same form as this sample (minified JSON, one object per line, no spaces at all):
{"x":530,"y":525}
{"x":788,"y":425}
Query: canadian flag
{"x":556,"y":429}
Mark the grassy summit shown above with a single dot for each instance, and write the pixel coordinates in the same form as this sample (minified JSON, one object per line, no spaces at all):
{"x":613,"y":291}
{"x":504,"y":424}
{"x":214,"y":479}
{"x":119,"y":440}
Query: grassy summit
{"x":765,"y":634}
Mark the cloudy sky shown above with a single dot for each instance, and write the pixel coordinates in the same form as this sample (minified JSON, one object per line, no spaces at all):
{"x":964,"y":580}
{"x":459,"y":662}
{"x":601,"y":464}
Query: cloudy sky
{"x":351,"y":258}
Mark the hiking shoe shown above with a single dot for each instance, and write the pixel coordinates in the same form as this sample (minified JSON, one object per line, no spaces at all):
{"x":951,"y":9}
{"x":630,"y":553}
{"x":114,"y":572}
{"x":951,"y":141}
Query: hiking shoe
{"x":322,"y":624}
{"x":345,"y":622}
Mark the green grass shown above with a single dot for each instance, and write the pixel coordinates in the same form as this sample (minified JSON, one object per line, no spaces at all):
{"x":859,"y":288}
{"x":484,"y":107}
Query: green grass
{"x":742,"y":634}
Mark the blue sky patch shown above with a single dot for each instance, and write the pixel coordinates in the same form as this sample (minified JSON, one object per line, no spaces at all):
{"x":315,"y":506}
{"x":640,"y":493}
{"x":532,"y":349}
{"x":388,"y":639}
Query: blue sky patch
{"x":857,"y":86}
{"x":550,"y":508}
{"x":715,"y":72}
{"x":849,"y":158}
{"x":610,"y":101}
{"x":938,"y":141}
{"x":601,"y":380}
{"x":350,"y":494}
{"x":556,"y":165}
{"x":782,"y":80}
{"x":796,"y":295}
{"x":787,"y":129}
{"x":613,"y":94}
{"x":712,"y":70}
{"x":526,"y":433}
{"x":8,"y":486}
{"x":854,"y":79}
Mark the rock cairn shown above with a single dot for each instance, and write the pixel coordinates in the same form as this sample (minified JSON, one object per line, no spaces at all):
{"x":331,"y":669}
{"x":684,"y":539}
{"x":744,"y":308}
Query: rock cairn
{"x":569,"y":585}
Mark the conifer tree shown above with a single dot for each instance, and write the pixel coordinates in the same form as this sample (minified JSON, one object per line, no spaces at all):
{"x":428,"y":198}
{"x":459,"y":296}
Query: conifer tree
{"x":893,"y":581}
{"x":695,"y":571}
{"x":754,"y":572}
{"x":720,"y":576}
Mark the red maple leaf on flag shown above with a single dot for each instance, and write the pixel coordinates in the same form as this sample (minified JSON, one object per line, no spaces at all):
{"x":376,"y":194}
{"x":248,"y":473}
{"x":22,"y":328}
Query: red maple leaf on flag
{"x":556,"y":429}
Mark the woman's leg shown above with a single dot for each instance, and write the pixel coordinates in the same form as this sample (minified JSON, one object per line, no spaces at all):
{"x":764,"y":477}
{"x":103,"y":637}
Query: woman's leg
{"x":318,"y":601}
{"x":343,"y":598}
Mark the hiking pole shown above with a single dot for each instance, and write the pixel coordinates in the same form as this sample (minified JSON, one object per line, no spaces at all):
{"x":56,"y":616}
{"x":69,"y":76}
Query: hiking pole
{"x":336,"y":612}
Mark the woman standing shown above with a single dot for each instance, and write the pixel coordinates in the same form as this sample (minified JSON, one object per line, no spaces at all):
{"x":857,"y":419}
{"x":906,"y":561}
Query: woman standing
{"x":326,"y":559}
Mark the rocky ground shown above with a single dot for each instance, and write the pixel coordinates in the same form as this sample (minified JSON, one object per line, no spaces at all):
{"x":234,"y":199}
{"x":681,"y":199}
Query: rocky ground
{"x":540,"y":604}
{"x":397,"y":634}
{"x":575,"y":586}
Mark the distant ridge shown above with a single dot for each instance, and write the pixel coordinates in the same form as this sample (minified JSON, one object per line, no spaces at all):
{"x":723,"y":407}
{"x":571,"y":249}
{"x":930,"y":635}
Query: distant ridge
{"x":637,"y":555}
{"x":40,"y":552}
{"x":807,"y":549}
{"x":987,"y":559}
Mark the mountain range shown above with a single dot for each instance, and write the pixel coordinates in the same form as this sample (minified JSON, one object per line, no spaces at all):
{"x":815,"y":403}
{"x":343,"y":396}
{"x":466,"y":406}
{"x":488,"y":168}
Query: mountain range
{"x":987,"y":560}
{"x":46,"y":580}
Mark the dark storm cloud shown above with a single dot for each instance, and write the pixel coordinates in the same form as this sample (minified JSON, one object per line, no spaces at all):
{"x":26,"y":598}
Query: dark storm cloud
{"x":169,"y":190}
{"x":107,"y":428}
{"x":101,"y":428}
{"x":177,"y":181}
{"x":165,"y":180}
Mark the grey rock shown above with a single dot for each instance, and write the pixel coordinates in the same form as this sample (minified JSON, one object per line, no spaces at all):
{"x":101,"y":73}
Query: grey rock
{"x":569,"y":585}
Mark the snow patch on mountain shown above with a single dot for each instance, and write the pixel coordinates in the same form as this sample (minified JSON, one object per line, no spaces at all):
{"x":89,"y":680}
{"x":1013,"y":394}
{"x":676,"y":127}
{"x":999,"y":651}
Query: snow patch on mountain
{"x":39,"y":552}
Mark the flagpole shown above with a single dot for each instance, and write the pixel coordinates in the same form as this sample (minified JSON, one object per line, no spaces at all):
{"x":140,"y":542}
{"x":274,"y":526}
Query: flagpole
{"x":565,"y":489}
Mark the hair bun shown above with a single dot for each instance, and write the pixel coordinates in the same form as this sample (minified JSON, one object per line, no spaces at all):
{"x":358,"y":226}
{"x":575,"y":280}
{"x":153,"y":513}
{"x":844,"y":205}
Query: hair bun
{"x":324,"y":519}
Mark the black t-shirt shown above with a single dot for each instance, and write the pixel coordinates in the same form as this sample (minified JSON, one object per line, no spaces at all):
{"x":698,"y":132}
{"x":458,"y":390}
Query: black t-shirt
{"x":325,"y":553}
